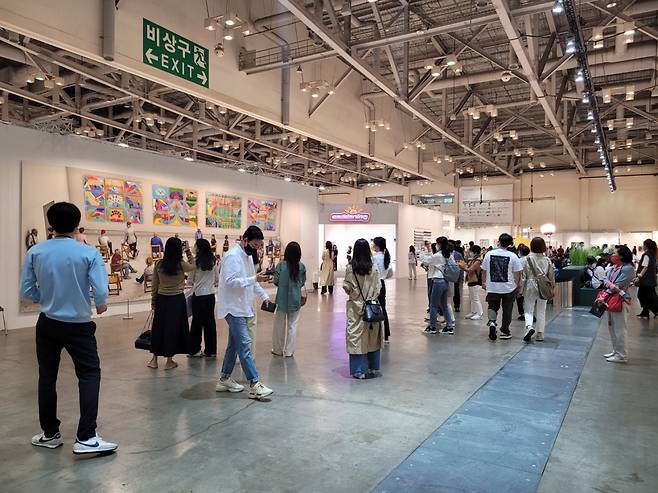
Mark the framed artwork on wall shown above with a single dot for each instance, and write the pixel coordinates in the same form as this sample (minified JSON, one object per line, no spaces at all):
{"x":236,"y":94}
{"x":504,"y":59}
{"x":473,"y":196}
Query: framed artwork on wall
{"x":112,"y":199}
{"x":223,"y":211}
{"x":174,"y":206}
{"x":263,"y":213}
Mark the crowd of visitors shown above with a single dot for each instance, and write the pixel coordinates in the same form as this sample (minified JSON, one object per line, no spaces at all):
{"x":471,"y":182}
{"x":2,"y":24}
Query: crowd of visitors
{"x":525,"y":274}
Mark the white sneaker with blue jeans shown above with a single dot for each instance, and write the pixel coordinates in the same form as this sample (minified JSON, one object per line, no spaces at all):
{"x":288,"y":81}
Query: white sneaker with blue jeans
{"x":95,"y":445}
{"x":239,"y":345}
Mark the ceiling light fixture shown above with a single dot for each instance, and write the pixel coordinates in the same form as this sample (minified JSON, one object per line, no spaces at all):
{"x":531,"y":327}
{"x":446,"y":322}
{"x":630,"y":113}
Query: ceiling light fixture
{"x":451,"y":59}
{"x":630,"y":92}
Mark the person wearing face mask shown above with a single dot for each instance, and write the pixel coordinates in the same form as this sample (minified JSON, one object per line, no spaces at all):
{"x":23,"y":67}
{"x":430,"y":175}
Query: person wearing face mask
{"x":239,"y":286}
{"x":618,"y":280}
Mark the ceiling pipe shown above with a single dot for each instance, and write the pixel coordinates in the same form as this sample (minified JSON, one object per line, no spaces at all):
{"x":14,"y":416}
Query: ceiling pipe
{"x":109,"y":15}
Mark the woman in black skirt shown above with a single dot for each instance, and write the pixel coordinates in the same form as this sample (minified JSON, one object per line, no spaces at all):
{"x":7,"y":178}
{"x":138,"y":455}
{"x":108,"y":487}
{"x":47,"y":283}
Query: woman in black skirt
{"x":170,"y":328}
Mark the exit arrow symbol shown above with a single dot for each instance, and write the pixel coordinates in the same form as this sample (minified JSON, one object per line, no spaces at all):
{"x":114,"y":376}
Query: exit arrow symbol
{"x":203,"y":77}
{"x":150,"y":56}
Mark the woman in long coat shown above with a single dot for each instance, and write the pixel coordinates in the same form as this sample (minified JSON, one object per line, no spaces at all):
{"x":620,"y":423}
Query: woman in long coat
{"x":364,"y":340}
{"x":327,"y":269}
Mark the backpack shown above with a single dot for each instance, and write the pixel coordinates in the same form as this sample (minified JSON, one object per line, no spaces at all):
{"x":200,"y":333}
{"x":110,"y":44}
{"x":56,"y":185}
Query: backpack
{"x":545,"y":285}
{"x":451,"y":270}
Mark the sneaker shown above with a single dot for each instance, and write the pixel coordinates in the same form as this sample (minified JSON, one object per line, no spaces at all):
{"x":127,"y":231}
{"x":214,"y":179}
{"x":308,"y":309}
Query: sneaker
{"x":528,"y":334}
{"x":456,"y":309}
{"x":259,"y":391}
{"x":492,"y":330}
{"x":505,"y":335}
{"x":427,"y":318}
{"x":469,"y":316}
{"x":210,"y":356}
{"x":359,"y":376}
{"x":477,"y":316}
{"x":617,"y":359}
{"x":448,"y":330}
{"x":539,"y":337}
{"x":386,"y":341}
{"x":228,"y":385}
{"x":196,"y":355}
{"x":609,"y":355}
{"x":644,"y":316}
{"x":95,"y":445}
{"x":429,"y":330}
{"x":275,"y":353}
{"x":52,"y":442}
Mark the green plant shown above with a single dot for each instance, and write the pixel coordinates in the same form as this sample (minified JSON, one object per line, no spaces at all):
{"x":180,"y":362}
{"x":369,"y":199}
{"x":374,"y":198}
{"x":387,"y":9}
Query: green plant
{"x":578,"y":256}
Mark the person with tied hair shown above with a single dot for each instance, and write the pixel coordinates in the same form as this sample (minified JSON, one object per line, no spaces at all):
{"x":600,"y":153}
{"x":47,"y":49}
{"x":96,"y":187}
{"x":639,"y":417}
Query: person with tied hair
{"x":439,"y":290}
{"x":289,"y":277}
{"x":203,"y":279}
{"x":364,"y":339}
{"x":59,"y":274}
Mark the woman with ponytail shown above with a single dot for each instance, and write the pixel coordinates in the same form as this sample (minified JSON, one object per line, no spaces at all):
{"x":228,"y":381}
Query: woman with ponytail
{"x":382,"y":259}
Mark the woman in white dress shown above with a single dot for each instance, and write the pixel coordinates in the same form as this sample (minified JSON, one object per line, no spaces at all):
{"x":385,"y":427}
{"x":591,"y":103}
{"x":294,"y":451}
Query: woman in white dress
{"x":327,"y":269}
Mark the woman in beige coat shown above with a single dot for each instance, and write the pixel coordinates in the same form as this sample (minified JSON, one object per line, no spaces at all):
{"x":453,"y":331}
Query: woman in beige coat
{"x":327,"y":269}
{"x":364,"y":340}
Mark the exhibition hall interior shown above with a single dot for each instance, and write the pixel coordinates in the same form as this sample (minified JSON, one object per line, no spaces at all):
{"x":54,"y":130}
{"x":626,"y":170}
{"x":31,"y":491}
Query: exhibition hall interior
{"x":333,"y":246}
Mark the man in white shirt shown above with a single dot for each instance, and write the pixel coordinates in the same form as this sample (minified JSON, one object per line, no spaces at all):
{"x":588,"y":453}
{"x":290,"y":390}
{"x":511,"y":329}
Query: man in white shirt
{"x":238,"y":286}
{"x":104,"y":240}
{"x":501,"y":278}
{"x":131,"y":239}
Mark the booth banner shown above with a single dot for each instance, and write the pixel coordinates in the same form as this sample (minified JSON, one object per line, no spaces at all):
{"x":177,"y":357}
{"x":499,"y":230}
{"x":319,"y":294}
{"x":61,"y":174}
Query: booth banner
{"x":174,"y":206}
{"x":358,"y":214}
{"x":350,"y":215}
{"x":491,"y":204}
{"x":112,"y":199}
{"x":223,"y":211}
{"x":263,"y":213}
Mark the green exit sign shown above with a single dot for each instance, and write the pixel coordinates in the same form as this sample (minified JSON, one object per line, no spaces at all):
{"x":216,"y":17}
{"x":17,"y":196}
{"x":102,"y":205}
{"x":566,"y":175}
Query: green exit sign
{"x":174,"y":54}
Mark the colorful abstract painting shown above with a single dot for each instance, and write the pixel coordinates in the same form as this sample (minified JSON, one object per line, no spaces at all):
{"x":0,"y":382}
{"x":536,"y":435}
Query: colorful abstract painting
{"x":174,"y":206}
{"x":223,"y":211}
{"x":112,"y":199}
{"x":262,"y":213}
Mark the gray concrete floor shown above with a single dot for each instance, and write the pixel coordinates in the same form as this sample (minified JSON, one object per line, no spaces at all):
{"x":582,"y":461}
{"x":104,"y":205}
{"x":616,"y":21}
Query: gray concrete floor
{"x":321,"y":431}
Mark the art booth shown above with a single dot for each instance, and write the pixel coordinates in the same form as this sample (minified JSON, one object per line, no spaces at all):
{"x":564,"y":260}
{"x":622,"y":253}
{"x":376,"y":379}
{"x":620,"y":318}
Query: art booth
{"x":400,"y":224}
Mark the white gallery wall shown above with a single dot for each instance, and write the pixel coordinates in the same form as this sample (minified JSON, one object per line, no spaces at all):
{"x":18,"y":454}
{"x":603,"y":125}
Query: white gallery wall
{"x":51,"y":152}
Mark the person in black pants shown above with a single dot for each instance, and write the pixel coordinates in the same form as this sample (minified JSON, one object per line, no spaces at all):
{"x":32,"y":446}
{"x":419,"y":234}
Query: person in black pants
{"x":204,"y":278}
{"x":382,"y":259}
{"x":646,"y":280}
{"x":59,"y":274}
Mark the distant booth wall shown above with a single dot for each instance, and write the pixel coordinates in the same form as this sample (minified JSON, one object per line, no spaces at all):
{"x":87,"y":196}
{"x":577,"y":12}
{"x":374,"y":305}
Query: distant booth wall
{"x":400,"y":224}
{"x":38,"y":168}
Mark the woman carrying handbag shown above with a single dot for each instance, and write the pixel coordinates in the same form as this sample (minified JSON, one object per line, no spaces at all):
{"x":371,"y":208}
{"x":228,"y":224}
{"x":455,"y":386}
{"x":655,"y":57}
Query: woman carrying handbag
{"x":289,"y":277}
{"x":364,"y":339}
{"x":616,"y":284}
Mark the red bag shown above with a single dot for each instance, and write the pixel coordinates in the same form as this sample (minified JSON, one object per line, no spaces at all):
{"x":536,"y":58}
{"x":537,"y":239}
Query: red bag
{"x":613,"y":301}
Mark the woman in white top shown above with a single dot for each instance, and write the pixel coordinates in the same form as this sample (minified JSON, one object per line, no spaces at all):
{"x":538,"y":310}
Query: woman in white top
{"x":327,"y":269}
{"x":413,"y":262}
{"x":204,"y":279}
{"x":440,"y":288}
{"x":382,"y":259}
{"x":536,"y":264}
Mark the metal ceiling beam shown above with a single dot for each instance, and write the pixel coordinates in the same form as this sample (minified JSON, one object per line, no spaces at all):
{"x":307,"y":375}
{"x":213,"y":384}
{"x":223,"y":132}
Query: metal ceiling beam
{"x":652,"y":33}
{"x":387,"y":49}
{"x":91,"y":74}
{"x":513,"y":34}
{"x":298,"y":8}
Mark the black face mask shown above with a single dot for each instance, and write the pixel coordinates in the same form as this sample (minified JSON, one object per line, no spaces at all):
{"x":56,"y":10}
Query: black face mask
{"x":252,"y":252}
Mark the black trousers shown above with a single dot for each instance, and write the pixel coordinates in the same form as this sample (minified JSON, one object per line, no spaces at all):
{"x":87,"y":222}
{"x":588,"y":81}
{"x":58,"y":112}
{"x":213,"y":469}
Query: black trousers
{"x":330,"y":288}
{"x":80,"y":342}
{"x":648,"y":299}
{"x":519,"y":305}
{"x":133,"y":249}
{"x":457,"y":298}
{"x":382,"y":301}
{"x":429,"y":291}
{"x":203,"y":320}
{"x":495,"y":300}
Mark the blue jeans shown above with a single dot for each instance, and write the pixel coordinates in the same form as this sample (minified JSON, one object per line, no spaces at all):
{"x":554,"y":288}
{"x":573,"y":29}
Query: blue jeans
{"x":440,"y":302}
{"x":361,"y":363}
{"x":239,"y":344}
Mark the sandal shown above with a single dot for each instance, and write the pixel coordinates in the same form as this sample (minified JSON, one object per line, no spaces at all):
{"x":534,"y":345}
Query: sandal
{"x":152,"y":364}
{"x":171,"y":366}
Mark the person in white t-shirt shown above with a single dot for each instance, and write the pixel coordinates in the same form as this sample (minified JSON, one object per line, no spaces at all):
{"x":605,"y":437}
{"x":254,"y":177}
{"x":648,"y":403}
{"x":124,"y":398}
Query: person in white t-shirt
{"x":501,"y":278}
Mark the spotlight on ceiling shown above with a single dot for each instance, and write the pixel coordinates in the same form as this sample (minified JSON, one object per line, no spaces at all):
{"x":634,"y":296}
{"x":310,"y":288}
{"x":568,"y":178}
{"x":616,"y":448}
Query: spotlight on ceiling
{"x":558,"y":7}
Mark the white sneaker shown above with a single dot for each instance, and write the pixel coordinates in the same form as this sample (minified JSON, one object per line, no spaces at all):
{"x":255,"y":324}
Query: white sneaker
{"x":196,"y":355}
{"x":42,"y":441}
{"x":259,"y":391}
{"x":539,"y":337}
{"x":476,"y":316}
{"x":228,"y":385}
{"x":529,"y":332}
{"x":95,"y":445}
{"x":609,"y":355}
{"x":468,"y":317}
{"x":617,"y":359}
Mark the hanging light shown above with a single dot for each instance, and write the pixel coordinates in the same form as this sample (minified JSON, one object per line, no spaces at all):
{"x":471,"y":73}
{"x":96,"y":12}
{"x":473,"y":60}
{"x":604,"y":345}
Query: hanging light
{"x":607,"y":96}
{"x":630,"y":92}
{"x":288,"y":179}
{"x":597,"y":37}
{"x":531,"y":165}
{"x":498,"y":136}
{"x":209,"y":24}
{"x":188,"y":158}
{"x":629,"y":122}
{"x":558,"y":7}
{"x":590,"y":115}
{"x":571,"y":47}
{"x":611,"y":125}
{"x":580,"y":77}
{"x":321,"y":188}
{"x":123,"y":144}
{"x":476,"y":115}
{"x":451,"y":59}
{"x":514,"y":135}
{"x":435,"y":71}
{"x":585,"y":98}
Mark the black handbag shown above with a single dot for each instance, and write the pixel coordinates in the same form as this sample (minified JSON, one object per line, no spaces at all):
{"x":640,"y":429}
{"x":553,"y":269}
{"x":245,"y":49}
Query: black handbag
{"x":144,"y":339}
{"x":372,"y":310}
{"x":598,"y":309}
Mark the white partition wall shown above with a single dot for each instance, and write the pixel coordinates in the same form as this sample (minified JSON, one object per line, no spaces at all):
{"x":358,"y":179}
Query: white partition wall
{"x":54,"y":154}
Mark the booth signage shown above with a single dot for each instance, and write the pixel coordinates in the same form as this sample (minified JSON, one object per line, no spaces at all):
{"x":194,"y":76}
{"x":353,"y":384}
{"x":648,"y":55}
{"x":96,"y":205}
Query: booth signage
{"x":350,"y":216}
{"x":174,"y":54}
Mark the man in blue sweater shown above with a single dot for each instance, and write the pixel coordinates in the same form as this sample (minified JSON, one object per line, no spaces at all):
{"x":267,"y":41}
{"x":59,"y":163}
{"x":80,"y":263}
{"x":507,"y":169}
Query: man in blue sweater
{"x":58,"y":274}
